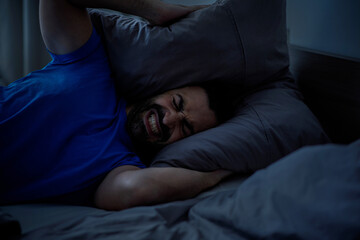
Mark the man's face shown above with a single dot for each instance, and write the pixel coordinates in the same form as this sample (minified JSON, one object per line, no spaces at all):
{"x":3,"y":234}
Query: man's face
{"x":169,"y":117}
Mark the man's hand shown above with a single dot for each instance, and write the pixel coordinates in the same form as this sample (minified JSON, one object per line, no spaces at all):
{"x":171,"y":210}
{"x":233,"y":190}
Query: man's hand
{"x":66,"y":26}
{"x":170,"y":13}
{"x":129,"y":186}
{"x":155,"y":11}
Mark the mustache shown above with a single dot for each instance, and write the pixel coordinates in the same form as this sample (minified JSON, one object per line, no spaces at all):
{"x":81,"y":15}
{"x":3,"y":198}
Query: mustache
{"x":137,"y":130}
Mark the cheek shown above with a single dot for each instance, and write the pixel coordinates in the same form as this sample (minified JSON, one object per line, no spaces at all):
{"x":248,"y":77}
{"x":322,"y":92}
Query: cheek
{"x":175,"y":136}
{"x":210,"y":124}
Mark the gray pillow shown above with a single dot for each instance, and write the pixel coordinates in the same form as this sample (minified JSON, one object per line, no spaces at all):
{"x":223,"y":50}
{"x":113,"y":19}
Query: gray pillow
{"x":240,"y":42}
{"x":270,"y":123}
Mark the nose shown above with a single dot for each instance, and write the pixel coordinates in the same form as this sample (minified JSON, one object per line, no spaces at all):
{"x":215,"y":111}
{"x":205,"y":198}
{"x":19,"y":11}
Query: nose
{"x":172,"y":118}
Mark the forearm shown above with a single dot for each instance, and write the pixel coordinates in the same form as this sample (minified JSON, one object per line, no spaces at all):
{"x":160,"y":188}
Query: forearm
{"x":154,"y":185}
{"x":156,"y":11}
{"x":168,"y":184}
{"x":66,"y":26}
{"x":149,"y":9}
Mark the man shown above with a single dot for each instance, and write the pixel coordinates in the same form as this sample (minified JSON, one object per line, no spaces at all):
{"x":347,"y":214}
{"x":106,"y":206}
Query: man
{"x":63,"y":132}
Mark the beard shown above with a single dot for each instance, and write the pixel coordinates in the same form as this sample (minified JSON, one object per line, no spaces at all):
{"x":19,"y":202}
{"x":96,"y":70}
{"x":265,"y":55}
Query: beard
{"x":145,"y":147}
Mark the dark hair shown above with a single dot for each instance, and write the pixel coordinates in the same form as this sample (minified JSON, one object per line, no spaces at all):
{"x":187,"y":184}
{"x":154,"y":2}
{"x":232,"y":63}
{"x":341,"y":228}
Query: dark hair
{"x":223,"y":99}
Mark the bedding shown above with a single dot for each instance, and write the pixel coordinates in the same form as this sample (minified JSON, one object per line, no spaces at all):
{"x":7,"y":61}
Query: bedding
{"x":312,"y":193}
{"x":238,"y":43}
{"x":270,"y":123}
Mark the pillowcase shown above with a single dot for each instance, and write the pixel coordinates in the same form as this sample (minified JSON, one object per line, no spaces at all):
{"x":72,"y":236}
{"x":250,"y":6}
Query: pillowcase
{"x":269,"y":124}
{"x":238,"y":42}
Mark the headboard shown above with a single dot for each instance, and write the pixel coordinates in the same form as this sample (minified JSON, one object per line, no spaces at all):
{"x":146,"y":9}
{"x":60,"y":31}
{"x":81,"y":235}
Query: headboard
{"x":331,"y":87}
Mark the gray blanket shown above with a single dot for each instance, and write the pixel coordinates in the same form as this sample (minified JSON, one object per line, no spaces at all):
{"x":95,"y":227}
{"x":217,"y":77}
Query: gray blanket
{"x":313,"y":193}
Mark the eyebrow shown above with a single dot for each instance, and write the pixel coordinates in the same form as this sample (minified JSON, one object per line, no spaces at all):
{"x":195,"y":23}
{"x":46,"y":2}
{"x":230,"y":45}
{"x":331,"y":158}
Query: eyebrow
{"x":182,"y":103}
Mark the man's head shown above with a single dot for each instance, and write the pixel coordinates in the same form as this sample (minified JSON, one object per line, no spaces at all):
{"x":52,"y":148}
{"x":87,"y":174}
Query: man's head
{"x":171,"y":116}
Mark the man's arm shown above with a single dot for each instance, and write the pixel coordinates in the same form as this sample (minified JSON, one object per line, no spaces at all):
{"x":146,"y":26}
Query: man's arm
{"x":66,"y":26}
{"x":129,"y":186}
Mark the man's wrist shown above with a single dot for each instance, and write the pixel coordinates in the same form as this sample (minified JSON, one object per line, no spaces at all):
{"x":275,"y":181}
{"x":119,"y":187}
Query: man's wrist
{"x":152,"y":10}
{"x":212,"y":178}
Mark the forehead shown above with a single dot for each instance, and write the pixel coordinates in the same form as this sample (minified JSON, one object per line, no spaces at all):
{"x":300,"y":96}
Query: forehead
{"x":196,"y":107}
{"x":194,"y":95}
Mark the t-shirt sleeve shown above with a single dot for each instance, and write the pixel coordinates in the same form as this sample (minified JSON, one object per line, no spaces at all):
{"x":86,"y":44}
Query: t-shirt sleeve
{"x":134,"y":161}
{"x":84,"y":51}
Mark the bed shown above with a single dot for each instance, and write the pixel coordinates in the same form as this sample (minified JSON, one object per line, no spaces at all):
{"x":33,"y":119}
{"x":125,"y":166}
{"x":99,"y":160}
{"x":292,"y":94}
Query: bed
{"x":309,"y":192}
{"x":323,"y":201}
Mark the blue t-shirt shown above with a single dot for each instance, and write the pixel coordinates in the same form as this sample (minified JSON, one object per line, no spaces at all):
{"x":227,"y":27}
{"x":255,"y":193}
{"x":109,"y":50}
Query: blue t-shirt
{"x":62,"y":129}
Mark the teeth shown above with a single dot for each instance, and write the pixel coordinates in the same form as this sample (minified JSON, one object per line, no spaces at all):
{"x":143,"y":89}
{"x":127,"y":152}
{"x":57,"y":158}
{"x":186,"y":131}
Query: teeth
{"x":153,"y":125}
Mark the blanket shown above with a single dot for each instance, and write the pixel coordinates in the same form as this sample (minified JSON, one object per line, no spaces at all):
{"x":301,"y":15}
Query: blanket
{"x":312,"y":193}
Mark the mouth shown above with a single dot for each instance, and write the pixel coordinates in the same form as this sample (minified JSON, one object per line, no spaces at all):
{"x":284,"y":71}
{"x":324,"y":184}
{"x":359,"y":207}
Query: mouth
{"x":151,"y":122}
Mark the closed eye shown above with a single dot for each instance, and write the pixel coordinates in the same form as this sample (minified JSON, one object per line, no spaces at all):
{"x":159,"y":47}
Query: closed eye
{"x":178,"y":103}
{"x":181,"y":103}
{"x":176,"y":106}
{"x":186,"y":128}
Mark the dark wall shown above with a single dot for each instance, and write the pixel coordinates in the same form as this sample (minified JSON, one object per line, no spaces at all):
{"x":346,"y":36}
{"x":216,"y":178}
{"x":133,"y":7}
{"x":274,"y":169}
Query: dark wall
{"x":331,"y":26}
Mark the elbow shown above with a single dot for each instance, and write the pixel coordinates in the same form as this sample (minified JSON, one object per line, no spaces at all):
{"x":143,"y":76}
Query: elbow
{"x":125,"y":191}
